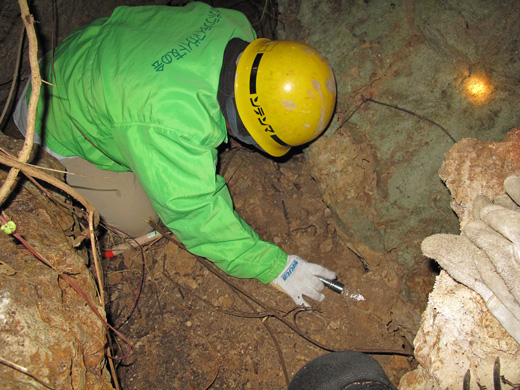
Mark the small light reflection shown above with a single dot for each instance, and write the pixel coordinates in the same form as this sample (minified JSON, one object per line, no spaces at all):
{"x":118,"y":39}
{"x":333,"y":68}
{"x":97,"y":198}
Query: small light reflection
{"x":287,"y":87}
{"x":478,"y":89}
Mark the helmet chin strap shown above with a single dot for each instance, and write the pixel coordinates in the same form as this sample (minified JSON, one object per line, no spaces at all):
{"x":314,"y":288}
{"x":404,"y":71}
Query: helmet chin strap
{"x":231,"y":112}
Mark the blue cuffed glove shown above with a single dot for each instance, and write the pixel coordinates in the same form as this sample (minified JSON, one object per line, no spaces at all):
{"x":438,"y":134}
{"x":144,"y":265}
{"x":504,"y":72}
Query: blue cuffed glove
{"x":299,"y":277}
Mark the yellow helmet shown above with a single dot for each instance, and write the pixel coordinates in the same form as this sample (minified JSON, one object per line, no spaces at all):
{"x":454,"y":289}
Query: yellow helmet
{"x":285,"y":93}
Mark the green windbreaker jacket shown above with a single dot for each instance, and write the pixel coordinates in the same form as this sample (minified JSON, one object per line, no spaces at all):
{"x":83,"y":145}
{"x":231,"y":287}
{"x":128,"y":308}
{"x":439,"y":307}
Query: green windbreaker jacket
{"x":142,"y":87}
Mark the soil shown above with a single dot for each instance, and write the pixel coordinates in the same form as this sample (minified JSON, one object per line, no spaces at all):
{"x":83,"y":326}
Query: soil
{"x":192,"y":330}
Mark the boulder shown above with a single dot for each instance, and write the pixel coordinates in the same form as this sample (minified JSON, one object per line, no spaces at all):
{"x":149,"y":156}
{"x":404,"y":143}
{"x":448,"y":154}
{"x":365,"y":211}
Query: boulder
{"x":46,"y":327}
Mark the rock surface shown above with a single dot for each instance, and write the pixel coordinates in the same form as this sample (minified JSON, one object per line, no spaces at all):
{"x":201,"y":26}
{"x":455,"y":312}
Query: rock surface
{"x":473,"y":167}
{"x":377,"y":165}
{"x":45,"y":326}
{"x":458,"y":332}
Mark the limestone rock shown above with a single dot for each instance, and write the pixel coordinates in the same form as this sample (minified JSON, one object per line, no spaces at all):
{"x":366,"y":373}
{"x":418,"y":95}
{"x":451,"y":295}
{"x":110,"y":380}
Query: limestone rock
{"x":458,"y":333}
{"x":457,"y":330}
{"x":473,"y":167}
{"x":45,"y":326}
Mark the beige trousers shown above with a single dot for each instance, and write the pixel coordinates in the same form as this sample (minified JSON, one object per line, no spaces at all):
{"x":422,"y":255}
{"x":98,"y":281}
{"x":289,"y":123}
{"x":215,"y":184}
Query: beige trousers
{"x":117,"y":196}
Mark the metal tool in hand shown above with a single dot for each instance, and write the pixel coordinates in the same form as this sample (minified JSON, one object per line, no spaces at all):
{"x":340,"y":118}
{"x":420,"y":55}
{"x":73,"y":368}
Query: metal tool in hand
{"x":334,"y":285}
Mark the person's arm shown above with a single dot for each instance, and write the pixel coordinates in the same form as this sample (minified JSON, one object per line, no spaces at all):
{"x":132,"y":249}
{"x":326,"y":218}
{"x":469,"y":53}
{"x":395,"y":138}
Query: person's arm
{"x":180,"y":180}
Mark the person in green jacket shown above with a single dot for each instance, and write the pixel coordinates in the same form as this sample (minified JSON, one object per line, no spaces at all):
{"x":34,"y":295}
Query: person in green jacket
{"x":139,"y":103}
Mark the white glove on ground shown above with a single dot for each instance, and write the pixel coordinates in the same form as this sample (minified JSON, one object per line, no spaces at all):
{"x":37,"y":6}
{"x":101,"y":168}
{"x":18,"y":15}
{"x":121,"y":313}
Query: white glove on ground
{"x":299,"y":277}
{"x":486,"y":256}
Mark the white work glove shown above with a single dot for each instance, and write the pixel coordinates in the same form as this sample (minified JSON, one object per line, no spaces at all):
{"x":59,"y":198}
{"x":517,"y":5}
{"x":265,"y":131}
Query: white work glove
{"x":299,"y":277}
{"x":486,"y":256}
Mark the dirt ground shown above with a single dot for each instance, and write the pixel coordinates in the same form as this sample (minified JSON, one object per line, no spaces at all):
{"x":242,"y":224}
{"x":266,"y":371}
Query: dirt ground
{"x":190,"y":329}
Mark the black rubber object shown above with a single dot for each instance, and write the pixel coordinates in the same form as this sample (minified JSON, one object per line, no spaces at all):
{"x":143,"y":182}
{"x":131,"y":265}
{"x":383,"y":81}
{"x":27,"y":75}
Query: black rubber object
{"x":344,"y":370}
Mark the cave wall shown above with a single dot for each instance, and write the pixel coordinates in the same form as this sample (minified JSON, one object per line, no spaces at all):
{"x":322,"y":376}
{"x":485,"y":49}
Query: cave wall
{"x":377,"y":165}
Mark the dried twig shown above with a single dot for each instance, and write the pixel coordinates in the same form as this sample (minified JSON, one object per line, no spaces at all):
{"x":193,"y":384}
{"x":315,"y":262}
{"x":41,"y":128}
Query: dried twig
{"x":138,"y":293}
{"x":369,"y":100}
{"x":25,"y":153}
{"x":44,"y":190}
{"x":413,"y":114}
{"x":15,"y":76}
{"x":25,"y":371}
{"x":273,"y":337}
{"x":33,"y":172}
